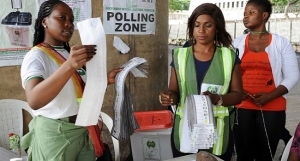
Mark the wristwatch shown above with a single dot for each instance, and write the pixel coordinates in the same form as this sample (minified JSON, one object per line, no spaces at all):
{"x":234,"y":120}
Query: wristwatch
{"x":220,"y":102}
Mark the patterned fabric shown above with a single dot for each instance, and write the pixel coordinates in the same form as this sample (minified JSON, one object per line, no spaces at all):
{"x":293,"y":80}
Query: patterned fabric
{"x":14,"y":141}
{"x":296,"y":141}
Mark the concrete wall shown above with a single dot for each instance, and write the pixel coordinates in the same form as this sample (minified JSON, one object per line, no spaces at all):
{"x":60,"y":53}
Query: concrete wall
{"x":144,"y":91}
{"x":288,"y":28}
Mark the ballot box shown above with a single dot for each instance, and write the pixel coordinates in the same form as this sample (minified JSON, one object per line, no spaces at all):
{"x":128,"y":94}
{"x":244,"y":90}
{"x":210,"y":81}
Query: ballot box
{"x":152,"y":141}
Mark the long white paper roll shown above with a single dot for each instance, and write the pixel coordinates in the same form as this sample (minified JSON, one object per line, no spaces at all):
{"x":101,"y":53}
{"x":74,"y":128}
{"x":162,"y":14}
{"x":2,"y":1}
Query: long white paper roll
{"x":92,"y":33}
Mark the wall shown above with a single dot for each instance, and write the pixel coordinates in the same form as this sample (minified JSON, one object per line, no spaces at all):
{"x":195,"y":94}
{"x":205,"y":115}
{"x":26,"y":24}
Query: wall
{"x":288,"y":28}
{"x":144,"y":91}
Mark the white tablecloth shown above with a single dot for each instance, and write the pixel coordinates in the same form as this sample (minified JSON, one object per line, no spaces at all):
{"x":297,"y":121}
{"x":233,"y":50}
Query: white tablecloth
{"x":6,"y":155}
{"x":191,"y":157}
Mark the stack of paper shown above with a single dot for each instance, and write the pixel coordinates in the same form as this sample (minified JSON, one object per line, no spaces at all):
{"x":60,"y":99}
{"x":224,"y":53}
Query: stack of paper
{"x":124,"y":120}
{"x":198,"y":124}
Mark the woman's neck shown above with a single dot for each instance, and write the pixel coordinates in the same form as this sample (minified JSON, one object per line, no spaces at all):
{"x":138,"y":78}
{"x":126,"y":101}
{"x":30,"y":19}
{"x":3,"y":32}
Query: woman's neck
{"x":204,"y":49}
{"x":53,"y":42}
{"x":259,"y":32}
{"x":204,"y":52}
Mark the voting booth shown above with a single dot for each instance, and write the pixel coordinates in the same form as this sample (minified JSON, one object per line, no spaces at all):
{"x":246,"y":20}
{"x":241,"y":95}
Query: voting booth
{"x":152,"y":141}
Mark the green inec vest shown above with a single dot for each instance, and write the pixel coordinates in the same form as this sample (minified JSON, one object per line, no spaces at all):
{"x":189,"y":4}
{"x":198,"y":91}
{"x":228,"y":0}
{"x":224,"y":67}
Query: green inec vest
{"x":219,"y":74}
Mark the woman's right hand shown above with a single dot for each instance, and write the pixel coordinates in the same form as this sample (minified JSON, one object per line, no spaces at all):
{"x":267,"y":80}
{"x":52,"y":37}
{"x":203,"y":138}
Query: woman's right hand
{"x":245,"y":95}
{"x":80,"y":54}
{"x":166,"y":98}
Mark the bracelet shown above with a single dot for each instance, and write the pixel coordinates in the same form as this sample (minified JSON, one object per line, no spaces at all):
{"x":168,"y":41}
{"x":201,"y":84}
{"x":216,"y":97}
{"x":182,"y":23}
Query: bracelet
{"x":220,"y":102}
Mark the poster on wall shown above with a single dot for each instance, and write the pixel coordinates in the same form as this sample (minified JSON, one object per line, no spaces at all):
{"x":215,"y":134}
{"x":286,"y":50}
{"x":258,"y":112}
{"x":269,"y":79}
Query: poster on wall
{"x":16,"y":30}
{"x":17,"y":26}
{"x":130,"y":17}
{"x":82,"y":9}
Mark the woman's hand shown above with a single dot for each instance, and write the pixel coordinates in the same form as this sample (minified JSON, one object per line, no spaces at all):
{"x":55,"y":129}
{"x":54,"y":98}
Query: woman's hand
{"x":112,"y":74}
{"x":261,"y":98}
{"x":167,"y":98}
{"x":245,"y":95}
{"x":80,"y":54}
{"x":213,"y":97}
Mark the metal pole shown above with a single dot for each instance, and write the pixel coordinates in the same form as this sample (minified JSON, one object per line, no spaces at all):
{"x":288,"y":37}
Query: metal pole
{"x":234,"y":35}
{"x":291,"y":26}
{"x":275,"y":24}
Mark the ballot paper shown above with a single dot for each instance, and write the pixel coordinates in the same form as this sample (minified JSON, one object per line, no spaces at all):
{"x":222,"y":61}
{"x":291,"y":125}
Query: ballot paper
{"x":120,"y":45}
{"x":198,"y":124}
{"x":92,"y":33}
{"x":124,"y":121}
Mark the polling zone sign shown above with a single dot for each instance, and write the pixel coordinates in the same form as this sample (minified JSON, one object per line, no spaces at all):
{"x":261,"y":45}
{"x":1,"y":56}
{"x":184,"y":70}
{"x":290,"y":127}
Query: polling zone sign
{"x":130,"y":17}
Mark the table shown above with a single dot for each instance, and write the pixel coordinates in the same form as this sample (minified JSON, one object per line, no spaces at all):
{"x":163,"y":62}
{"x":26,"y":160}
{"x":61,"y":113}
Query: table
{"x":6,"y":155}
{"x":191,"y":157}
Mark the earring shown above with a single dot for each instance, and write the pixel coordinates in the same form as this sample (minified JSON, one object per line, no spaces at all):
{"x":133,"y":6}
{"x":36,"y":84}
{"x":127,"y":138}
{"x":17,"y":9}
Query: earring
{"x":45,"y":26}
{"x":216,"y":39}
{"x":194,"y":40}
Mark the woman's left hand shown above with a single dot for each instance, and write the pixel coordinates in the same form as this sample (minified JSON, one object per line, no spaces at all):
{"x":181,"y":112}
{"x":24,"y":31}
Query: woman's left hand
{"x":112,"y":74}
{"x":261,"y":98}
{"x":213,"y":97}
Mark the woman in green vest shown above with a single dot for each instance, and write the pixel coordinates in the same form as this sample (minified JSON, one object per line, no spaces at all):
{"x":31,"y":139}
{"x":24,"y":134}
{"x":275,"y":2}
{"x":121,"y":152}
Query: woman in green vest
{"x":208,"y":64}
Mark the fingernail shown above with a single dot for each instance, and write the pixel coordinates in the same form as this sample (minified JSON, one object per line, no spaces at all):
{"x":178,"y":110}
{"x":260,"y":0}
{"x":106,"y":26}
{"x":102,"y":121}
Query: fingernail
{"x":95,"y":49}
{"x":94,"y":53}
{"x":95,"y":45}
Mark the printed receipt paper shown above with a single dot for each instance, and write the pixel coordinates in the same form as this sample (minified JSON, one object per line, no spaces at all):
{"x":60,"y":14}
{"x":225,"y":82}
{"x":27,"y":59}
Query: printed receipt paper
{"x":92,"y":32}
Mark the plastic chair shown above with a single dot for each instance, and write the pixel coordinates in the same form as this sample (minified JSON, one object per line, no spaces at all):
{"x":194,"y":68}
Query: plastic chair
{"x":11,"y":120}
{"x":286,"y":151}
{"x":107,"y":120}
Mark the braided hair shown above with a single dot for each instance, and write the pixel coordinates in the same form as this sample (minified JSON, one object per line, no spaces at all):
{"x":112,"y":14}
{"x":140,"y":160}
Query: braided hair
{"x":45,"y":10}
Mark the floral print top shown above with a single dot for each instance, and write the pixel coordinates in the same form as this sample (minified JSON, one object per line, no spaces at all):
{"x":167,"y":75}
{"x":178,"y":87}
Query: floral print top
{"x":296,"y":141}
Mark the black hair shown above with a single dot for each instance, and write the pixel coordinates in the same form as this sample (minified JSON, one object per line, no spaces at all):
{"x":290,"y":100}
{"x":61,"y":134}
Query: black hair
{"x":45,"y":10}
{"x":223,"y":38}
{"x":264,"y":5}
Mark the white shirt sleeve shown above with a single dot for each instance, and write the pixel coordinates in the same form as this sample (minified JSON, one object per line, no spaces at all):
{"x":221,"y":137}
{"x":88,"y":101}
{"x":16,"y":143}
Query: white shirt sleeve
{"x":33,"y":65}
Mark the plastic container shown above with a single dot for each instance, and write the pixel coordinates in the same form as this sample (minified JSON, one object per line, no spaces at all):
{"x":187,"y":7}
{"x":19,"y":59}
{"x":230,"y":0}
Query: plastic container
{"x":154,"y":120}
{"x":153,"y":140}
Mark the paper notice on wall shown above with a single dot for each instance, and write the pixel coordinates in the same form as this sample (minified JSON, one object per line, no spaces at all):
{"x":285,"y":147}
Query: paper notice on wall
{"x":12,"y":56}
{"x":130,"y":17}
{"x":82,"y":9}
{"x":16,"y":30}
{"x":16,"y":4}
{"x":18,"y":36}
{"x":92,"y":33}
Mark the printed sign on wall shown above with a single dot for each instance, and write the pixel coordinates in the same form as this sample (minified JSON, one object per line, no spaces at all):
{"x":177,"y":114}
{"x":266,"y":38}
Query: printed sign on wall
{"x":130,"y":17}
{"x":16,"y":30}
